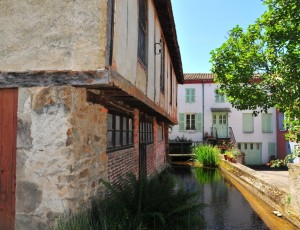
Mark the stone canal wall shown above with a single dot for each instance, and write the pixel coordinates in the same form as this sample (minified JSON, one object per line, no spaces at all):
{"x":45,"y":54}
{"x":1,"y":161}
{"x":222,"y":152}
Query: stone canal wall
{"x":279,"y":198}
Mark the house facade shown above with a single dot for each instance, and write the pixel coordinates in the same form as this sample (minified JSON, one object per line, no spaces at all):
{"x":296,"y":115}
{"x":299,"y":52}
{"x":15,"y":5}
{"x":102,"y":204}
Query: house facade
{"x":88,"y":90}
{"x":205,"y":114}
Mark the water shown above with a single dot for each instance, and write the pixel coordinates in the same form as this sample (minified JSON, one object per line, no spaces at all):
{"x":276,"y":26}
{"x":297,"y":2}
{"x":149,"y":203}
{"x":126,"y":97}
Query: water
{"x":227,"y":209}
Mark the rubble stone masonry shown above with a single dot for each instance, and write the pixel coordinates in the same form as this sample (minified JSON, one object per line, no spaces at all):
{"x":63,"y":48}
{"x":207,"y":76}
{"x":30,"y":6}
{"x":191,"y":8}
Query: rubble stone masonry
{"x":61,"y":154}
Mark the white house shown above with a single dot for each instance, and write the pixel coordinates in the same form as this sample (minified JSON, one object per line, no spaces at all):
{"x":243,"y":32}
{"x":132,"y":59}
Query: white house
{"x":203,"y":112}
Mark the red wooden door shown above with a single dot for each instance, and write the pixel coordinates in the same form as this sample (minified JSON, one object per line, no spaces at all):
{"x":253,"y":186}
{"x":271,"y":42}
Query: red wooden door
{"x":8,"y":127}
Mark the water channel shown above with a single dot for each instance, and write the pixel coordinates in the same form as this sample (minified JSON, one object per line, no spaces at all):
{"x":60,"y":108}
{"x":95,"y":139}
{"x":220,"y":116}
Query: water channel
{"x":226,"y":209}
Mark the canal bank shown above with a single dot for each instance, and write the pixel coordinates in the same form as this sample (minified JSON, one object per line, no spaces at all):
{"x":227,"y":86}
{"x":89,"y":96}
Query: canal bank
{"x":272,"y":188}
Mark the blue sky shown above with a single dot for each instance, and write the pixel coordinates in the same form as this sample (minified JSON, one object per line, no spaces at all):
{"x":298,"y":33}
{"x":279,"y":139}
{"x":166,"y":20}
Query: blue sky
{"x":203,"y":25}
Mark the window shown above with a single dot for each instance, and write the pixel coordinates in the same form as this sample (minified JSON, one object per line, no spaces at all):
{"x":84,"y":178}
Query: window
{"x":267,"y":123}
{"x":160,"y":133}
{"x":119,"y":131}
{"x":219,"y":98}
{"x":245,"y":146}
{"x":190,"y":121}
{"x":248,"y":126}
{"x":189,"y":95}
{"x":146,"y":132}
{"x":281,"y":122}
{"x":142,"y":39}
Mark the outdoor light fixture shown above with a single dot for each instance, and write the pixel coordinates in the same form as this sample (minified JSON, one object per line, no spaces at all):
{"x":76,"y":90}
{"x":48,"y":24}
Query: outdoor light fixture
{"x":157,"y":50}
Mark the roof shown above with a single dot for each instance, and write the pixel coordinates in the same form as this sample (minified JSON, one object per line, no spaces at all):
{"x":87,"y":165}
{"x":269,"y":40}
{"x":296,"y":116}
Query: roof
{"x":198,"y":76}
{"x":166,"y":18}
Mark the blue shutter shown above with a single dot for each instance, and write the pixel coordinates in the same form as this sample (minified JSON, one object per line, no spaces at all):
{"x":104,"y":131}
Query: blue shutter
{"x":187,"y":95}
{"x":248,"y":123}
{"x":192,"y":95}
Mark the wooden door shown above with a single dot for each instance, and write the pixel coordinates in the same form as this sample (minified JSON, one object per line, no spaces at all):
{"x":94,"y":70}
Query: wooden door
{"x":220,"y":125}
{"x":8,"y":127}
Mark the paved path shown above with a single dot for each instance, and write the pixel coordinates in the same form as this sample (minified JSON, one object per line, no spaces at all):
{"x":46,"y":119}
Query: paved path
{"x":278,"y":178}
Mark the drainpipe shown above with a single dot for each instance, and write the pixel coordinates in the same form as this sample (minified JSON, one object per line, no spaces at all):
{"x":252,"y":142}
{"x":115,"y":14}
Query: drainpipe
{"x":202,"y":110}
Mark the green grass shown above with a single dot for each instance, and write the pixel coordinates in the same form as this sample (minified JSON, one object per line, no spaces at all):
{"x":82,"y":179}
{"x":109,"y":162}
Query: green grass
{"x":206,"y":155}
{"x":206,"y":175}
{"x":155,"y":203}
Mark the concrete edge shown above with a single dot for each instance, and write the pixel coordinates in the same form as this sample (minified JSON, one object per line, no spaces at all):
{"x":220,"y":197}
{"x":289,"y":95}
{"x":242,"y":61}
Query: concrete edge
{"x":275,"y":197}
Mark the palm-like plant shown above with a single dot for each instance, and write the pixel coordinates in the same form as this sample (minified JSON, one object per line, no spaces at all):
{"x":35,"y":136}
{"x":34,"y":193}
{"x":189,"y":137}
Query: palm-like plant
{"x":158,"y":202}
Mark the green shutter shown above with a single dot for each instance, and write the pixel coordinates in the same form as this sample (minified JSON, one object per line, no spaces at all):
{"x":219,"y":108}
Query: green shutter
{"x":267,"y":123}
{"x":248,"y":123}
{"x":198,"y":122}
{"x":192,"y":95}
{"x":187,"y":95}
{"x":271,"y":148}
{"x":181,"y":122}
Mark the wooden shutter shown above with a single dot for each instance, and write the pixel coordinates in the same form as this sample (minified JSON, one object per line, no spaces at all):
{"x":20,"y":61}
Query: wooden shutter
{"x":192,"y":95}
{"x":248,"y":123}
{"x":181,"y":122}
{"x":267,"y":123}
{"x":271,"y":148}
{"x":198,"y":122}
{"x":187,"y":95}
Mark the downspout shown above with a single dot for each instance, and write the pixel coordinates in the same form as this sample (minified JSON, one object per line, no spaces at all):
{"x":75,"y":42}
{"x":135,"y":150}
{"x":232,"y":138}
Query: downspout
{"x":202,"y":110}
{"x":110,"y":31}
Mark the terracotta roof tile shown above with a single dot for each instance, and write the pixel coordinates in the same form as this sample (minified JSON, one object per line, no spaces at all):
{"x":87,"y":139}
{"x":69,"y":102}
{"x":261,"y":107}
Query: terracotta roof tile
{"x":198,"y":76}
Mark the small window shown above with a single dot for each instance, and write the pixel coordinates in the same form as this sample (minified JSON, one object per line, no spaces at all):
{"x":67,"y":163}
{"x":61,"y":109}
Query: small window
{"x":257,"y":146}
{"x":224,"y":119}
{"x":239,"y":145}
{"x":245,"y":146}
{"x":160,"y":133}
{"x":190,"y":122}
{"x":251,"y":146}
{"x":119,"y":131}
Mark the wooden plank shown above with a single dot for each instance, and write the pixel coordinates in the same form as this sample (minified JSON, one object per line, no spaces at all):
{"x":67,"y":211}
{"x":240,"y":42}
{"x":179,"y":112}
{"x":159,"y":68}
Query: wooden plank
{"x":8,"y":120}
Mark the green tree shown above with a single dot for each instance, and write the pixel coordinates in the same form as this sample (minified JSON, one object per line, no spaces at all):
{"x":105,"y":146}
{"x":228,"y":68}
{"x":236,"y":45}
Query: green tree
{"x":260,"y":68}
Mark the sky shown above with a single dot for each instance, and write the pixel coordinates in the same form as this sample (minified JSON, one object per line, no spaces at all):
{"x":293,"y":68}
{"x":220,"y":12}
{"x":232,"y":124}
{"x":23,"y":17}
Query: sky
{"x":203,"y":25}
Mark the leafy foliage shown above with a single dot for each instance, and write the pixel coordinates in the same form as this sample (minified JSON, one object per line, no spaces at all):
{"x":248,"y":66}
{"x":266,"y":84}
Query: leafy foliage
{"x":279,"y":163}
{"x":206,"y":155}
{"x":260,"y":68}
{"x":155,"y":203}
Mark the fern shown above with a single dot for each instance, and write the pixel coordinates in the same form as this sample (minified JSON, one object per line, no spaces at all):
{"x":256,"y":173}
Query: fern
{"x":158,"y":202}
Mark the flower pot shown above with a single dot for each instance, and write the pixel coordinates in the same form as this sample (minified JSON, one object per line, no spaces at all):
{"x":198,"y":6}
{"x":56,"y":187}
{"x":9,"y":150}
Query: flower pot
{"x":225,"y":157}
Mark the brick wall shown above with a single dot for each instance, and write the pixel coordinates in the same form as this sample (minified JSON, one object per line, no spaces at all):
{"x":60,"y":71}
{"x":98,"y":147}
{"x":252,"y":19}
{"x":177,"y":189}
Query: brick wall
{"x":120,"y":163}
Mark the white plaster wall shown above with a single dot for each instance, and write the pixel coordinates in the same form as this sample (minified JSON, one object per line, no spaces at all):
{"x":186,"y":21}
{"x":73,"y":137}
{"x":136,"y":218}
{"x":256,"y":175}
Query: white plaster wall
{"x":151,"y":57}
{"x":126,"y":39}
{"x":52,"y":35}
{"x":235,"y":118}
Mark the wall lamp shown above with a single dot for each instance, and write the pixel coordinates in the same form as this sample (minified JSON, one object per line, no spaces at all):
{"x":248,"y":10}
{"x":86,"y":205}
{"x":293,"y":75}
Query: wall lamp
{"x":157,"y":47}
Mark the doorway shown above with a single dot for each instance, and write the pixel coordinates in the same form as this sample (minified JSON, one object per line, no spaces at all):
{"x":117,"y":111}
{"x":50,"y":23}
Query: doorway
{"x":220,"y":124}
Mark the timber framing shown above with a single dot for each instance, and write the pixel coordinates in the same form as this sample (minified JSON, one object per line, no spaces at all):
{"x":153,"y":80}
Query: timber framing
{"x":115,"y":90}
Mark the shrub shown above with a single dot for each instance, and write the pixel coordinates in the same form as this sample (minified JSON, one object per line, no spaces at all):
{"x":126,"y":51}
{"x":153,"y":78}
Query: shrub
{"x":206,"y":155}
{"x":155,"y":203}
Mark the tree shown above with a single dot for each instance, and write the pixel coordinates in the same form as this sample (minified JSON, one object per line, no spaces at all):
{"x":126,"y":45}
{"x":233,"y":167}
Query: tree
{"x":260,"y":68}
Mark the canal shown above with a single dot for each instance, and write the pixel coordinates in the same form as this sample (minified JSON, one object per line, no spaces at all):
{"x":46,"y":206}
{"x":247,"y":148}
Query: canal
{"x":227,"y":208}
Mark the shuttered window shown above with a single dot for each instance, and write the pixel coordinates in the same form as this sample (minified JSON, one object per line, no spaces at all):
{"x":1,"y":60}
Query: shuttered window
{"x":267,"y":123}
{"x":189,"y":95}
{"x":190,"y":122}
{"x":248,"y":126}
{"x":219,"y":98}
{"x":271,"y":148}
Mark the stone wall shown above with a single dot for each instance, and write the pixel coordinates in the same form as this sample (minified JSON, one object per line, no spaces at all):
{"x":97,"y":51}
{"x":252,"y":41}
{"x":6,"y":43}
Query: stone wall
{"x":294,"y":181}
{"x":61,"y":154}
